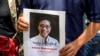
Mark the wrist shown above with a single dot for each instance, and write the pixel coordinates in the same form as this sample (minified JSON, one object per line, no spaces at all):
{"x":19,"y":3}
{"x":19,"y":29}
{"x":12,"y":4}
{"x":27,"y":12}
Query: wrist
{"x":78,"y":43}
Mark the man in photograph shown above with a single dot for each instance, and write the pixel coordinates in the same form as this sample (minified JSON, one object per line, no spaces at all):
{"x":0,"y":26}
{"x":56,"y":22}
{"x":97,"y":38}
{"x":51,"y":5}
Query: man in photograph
{"x":44,"y":27}
{"x":43,"y":44}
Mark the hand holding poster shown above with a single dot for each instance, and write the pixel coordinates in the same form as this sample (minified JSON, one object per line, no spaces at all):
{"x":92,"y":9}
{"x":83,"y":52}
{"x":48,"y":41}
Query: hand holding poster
{"x":46,"y":32}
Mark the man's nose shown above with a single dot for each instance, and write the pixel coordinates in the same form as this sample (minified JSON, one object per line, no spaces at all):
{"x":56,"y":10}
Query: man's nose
{"x":44,"y":28}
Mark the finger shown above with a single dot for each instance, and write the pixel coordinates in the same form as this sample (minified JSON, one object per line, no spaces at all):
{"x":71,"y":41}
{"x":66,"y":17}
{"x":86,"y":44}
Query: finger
{"x":75,"y":53}
{"x":19,"y":28}
{"x":70,"y":53}
{"x":64,"y":50}
{"x":21,"y":19}
{"x":21,"y":24}
{"x":69,"y":50}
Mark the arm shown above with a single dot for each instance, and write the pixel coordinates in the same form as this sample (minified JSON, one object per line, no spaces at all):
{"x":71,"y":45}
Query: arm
{"x":93,"y":13}
{"x":88,"y":33}
{"x":72,"y":48}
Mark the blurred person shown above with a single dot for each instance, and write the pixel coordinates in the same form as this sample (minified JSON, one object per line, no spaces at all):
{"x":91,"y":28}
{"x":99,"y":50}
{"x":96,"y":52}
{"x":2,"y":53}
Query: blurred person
{"x":8,"y":45}
{"x":76,"y":35}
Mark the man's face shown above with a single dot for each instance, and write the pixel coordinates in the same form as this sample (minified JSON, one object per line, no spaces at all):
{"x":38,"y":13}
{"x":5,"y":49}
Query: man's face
{"x":44,"y":28}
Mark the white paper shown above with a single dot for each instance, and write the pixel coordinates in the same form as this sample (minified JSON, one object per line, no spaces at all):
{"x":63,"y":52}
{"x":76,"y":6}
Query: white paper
{"x":36,"y":47}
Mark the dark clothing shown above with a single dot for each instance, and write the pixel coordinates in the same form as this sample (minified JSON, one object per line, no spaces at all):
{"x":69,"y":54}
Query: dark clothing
{"x":75,"y":10}
{"x":6,"y":26}
{"x":92,"y":48}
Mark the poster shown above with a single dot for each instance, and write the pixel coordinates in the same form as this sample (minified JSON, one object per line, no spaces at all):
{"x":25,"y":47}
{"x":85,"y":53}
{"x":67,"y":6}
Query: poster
{"x":46,"y":32}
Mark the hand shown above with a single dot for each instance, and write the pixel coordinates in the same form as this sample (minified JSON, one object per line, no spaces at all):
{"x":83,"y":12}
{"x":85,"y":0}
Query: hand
{"x":70,"y":49}
{"x":22,"y":25}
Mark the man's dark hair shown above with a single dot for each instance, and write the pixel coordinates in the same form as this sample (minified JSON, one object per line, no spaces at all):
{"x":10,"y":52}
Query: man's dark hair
{"x":48,"y":18}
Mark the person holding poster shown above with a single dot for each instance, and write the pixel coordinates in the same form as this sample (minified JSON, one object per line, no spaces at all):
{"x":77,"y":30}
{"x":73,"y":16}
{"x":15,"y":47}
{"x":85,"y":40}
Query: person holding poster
{"x":76,"y":35}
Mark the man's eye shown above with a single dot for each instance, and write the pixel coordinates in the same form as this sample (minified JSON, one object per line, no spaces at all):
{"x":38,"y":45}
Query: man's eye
{"x":46,"y":26}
